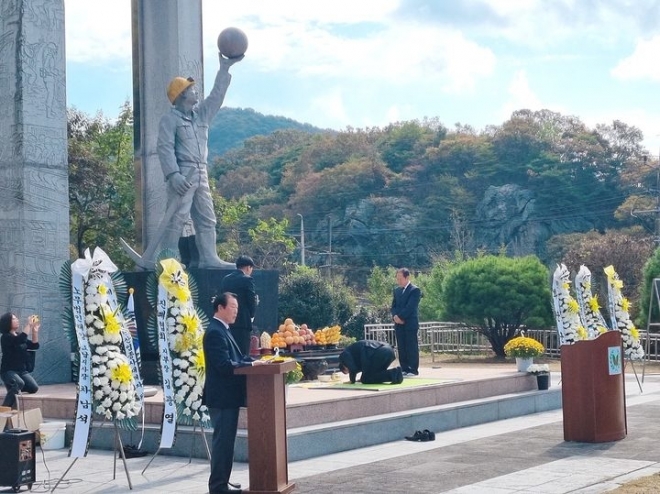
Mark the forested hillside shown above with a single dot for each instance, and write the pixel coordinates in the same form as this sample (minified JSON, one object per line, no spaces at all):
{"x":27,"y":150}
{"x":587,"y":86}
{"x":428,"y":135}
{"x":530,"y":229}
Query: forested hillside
{"x":411,"y":193}
{"x":415,"y":191}
{"x":232,"y":126}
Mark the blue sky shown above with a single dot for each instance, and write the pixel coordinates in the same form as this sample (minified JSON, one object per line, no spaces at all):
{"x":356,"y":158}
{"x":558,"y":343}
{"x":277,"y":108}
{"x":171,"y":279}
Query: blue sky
{"x":363,"y":63}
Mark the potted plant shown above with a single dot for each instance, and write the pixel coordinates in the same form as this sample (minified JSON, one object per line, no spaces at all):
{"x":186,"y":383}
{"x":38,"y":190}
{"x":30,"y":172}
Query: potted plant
{"x":523,"y":349}
{"x":542,"y":373}
{"x":295,"y":375}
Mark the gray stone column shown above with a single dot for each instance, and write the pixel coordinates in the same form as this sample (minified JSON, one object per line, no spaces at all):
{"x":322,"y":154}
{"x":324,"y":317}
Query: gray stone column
{"x":34,"y":202}
{"x":167,"y":42}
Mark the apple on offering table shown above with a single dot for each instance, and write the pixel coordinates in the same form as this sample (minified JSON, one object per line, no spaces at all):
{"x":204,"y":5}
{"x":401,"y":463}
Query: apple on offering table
{"x":232,"y":42}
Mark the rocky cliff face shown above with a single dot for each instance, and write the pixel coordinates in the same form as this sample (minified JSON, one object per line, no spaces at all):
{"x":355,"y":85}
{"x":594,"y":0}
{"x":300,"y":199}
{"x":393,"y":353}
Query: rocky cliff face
{"x":508,"y":217}
{"x":375,"y":230}
{"x":393,"y":231}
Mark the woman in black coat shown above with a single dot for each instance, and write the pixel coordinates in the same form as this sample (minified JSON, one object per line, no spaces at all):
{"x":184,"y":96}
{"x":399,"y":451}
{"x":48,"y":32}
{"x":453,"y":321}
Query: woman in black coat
{"x":15,"y":346}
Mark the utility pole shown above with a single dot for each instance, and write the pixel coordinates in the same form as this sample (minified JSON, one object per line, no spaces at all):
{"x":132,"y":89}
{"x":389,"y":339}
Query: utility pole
{"x":302,"y":239}
{"x":656,"y":210}
{"x":330,"y":246}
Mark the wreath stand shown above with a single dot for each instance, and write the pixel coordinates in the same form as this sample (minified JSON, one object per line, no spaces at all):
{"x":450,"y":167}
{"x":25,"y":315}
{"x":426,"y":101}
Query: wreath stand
{"x":632,"y":364}
{"x":202,"y":432}
{"x":118,"y":447}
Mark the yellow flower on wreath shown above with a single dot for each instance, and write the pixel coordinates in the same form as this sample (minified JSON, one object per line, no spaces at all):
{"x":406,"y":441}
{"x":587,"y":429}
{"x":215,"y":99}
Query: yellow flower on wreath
{"x":612,"y":277}
{"x":112,"y":325}
{"x":582,"y":333}
{"x":174,"y":279}
{"x":122,"y":373}
{"x":625,"y":304}
{"x":634,"y":332}
{"x":593,"y":303}
{"x":190,"y":337}
{"x":190,"y":322}
{"x":199,"y":362}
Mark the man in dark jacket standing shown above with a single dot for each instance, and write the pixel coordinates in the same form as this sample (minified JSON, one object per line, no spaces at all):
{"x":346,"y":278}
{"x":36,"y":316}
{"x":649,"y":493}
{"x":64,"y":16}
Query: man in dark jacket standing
{"x":241,"y":283}
{"x":405,"y":314}
{"x":224,"y":392}
{"x":372,"y":358}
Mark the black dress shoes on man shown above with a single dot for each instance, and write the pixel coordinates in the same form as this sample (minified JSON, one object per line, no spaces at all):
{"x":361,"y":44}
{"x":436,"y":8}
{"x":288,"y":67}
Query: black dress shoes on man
{"x":397,"y":375}
{"x":231,"y":488}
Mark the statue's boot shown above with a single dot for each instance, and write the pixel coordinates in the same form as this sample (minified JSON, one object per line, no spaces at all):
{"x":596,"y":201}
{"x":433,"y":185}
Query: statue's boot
{"x":208,"y":256}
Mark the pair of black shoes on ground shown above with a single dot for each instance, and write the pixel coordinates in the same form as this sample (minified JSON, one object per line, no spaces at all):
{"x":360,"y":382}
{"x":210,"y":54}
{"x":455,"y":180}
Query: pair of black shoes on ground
{"x":397,"y":377}
{"x":423,"y":436}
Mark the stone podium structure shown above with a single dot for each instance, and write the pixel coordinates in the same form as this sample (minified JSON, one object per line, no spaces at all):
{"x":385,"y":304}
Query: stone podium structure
{"x":34,"y":196}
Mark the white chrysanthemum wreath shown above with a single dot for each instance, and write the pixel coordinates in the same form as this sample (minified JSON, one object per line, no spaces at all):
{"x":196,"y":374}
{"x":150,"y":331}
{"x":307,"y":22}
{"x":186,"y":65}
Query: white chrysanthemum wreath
{"x":619,"y":307}
{"x":590,"y":314}
{"x":566,"y":308}
{"x":113,"y":386}
{"x":185,"y":332}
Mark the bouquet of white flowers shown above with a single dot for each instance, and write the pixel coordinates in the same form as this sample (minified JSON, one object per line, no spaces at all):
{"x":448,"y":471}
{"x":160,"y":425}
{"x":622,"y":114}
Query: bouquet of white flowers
{"x":538,"y":369}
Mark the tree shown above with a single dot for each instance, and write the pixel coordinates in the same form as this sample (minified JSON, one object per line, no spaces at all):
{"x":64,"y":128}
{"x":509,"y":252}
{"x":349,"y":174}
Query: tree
{"x":626,"y":250}
{"x":650,"y":272}
{"x":306,"y":298}
{"x":101,"y":182}
{"x":431,"y":307}
{"x":498,"y":295}
{"x":380,"y":283}
{"x":337,"y":187}
{"x":271,"y":244}
{"x":404,"y":142}
{"x":229,"y":213}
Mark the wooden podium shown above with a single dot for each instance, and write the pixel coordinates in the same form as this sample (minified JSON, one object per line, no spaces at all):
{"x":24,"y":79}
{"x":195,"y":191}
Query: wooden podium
{"x":593,"y":389}
{"x":266,"y":414}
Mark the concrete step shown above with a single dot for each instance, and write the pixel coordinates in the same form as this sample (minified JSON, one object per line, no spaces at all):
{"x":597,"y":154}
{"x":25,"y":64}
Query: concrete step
{"x":343,"y":435}
{"x":323,"y":421}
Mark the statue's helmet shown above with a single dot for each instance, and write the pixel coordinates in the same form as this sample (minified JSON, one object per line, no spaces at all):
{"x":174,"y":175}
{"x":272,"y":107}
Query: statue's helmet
{"x":177,"y":86}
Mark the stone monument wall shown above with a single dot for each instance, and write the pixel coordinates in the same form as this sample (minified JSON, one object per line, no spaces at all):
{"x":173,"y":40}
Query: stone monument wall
{"x":34,"y":204}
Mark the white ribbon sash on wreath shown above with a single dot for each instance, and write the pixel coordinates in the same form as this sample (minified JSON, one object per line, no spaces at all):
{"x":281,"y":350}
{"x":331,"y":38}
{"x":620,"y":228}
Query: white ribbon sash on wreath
{"x":611,"y":304}
{"x":168,"y":428}
{"x":84,"y":406}
{"x":582,"y":279}
{"x":556,"y":289}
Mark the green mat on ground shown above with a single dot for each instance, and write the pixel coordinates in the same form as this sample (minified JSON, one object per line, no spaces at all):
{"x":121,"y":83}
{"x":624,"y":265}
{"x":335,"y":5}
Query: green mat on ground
{"x":408,"y":382}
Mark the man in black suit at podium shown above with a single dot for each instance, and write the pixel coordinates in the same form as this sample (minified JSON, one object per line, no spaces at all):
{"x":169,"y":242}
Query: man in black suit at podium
{"x":241,"y":283}
{"x":224,"y":392}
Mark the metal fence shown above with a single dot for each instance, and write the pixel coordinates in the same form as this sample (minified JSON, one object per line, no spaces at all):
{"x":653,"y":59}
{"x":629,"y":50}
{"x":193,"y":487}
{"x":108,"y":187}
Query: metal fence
{"x":461,"y":339}
{"x":435,"y":337}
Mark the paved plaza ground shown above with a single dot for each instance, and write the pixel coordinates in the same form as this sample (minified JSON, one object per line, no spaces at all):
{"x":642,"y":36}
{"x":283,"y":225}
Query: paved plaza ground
{"x":523,"y":455}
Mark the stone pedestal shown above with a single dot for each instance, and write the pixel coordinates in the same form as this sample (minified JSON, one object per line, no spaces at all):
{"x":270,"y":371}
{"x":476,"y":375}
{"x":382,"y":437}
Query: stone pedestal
{"x":34,"y":197}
